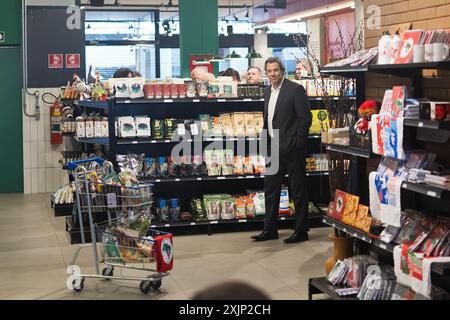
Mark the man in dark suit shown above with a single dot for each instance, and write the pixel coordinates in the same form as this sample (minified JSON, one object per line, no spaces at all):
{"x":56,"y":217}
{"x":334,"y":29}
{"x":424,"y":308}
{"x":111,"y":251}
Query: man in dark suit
{"x":286,"y":109}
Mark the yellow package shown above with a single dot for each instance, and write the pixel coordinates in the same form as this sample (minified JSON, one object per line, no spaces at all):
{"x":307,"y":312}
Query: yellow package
{"x":350,"y":209}
{"x":320,"y":121}
{"x":361,"y":215}
{"x":249,"y":125}
{"x":227,"y":125}
{"x":367,"y":223}
{"x":239,"y":124}
{"x":259,"y":122}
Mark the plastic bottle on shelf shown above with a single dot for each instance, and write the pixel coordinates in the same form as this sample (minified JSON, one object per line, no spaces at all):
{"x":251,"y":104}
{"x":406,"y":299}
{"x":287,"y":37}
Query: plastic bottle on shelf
{"x":384,"y":48}
{"x":396,"y":45}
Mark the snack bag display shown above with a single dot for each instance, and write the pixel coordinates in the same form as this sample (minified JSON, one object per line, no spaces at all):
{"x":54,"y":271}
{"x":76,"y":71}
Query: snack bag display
{"x":198,"y":210}
{"x":213,"y":206}
{"x":248,"y":165}
{"x":228,"y":207}
{"x":170,"y":127}
{"x":227,"y":165}
{"x":122,"y":89}
{"x":239,"y":124}
{"x":217,"y":129}
{"x":250,"y":130}
{"x":227,"y":125}
{"x":320,"y":121}
{"x":158,"y":129}
{"x":259,"y":203}
{"x":366,"y":224}
{"x":259,"y":164}
{"x":136,"y":86}
{"x":350,"y":210}
{"x":166,"y":90}
{"x":241,"y":204}
{"x":158,"y":90}
{"x":205,"y":121}
{"x":340,"y":202}
{"x":213,"y":162}
{"x":250,"y":207}
{"x":238,"y":165}
{"x":259,"y":122}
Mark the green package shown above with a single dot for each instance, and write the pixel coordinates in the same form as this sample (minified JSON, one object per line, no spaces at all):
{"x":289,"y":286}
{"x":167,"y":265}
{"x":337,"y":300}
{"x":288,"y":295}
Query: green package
{"x":170,"y":127}
{"x":158,"y":129}
{"x":198,"y":210}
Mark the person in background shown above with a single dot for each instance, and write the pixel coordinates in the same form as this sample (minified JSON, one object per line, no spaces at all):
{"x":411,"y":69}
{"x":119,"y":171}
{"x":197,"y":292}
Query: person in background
{"x":123,"y":73}
{"x":199,"y":74}
{"x":230,"y":72}
{"x":286,"y":109}
{"x":253,"y":75}
{"x":301,"y":69}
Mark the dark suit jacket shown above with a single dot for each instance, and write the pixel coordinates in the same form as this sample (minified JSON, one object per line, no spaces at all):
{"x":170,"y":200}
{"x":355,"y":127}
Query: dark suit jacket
{"x":292,"y":116}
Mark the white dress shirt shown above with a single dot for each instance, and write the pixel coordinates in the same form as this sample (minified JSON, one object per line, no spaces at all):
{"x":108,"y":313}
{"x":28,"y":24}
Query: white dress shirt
{"x":271,"y":108}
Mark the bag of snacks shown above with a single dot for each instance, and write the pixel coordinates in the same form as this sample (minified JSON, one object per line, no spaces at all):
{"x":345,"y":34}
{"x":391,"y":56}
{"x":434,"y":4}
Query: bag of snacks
{"x":212,"y":206}
{"x":198,"y":210}
{"x":158,"y":129}
{"x":228,"y":207}
{"x":241,"y":204}
{"x":248,"y":165}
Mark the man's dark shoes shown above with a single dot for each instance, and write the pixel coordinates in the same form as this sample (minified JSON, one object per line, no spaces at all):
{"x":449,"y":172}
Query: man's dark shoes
{"x":265,"y":235}
{"x":297,"y":237}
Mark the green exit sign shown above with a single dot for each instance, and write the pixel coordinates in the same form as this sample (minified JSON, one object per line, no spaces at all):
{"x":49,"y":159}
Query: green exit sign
{"x":2,"y":36}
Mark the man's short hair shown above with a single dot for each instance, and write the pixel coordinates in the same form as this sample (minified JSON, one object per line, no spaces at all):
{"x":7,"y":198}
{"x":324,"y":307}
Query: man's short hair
{"x":275,"y":60}
{"x":254,"y":67}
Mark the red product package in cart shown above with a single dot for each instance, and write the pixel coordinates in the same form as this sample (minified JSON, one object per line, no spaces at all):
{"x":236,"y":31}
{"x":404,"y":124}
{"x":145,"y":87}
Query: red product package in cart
{"x":164,"y":252}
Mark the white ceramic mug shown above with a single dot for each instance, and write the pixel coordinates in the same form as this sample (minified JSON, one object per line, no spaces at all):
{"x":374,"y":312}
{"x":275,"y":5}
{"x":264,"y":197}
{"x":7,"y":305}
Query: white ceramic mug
{"x":440,"y":52}
{"x":429,"y":52}
{"x":419,"y":53}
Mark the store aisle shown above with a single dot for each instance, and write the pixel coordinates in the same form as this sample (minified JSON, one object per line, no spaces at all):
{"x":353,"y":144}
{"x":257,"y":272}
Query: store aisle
{"x":34,"y":253}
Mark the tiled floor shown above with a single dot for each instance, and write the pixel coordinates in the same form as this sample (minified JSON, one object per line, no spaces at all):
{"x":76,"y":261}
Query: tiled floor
{"x":34,"y":254}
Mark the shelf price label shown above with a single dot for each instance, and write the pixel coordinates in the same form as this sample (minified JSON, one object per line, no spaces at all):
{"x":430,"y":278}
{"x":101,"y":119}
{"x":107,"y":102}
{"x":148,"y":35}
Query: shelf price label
{"x":134,"y":142}
{"x":195,"y":100}
{"x":432,"y":194}
{"x":177,"y":179}
{"x":250,"y":177}
{"x":282,"y":218}
{"x":193,"y":223}
{"x":221,"y":100}
{"x":158,"y":180}
{"x":243,"y":220}
{"x":247,"y":99}
{"x":167,"y":225}
{"x":199,"y":179}
{"x":420,"y":124}
{"x":382,"y":246}
{"x":221,"y":178}
{"x":214,"y":222}
{"x":168,"y":100}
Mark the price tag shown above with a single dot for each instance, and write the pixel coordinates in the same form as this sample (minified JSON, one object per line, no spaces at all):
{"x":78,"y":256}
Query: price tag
{"x":420,"y":124}
{"x":167,"y":225}
{"x":168,"y":100}
{"x":221,"y":100}
{"x":282,"y":218}
{"x":181,"y":129}
{"x":177,"y":179}
{"x":251,"y":139}
{"x":432,"y":194}
{"x":194,"y":129}
{"x":344,"y":229}
{"x":134,"y":142}
{"x":243,"y":220}
{"x":153,"y":226}
{"x":240,"y":177}
{"x":153,"y":141}
{"x":214,"y":222}
{"x":221,"y":178}
{"x":199,"y":179}
{"x":333,"y":225}
{"x":158,"y":180}
{"x":192,"y":223}
{"x":127,"y":101}
{"x":247,"y":99}
{"x":250,"y":177}
{"x":195,"y":100}
{"x":382,"y":246}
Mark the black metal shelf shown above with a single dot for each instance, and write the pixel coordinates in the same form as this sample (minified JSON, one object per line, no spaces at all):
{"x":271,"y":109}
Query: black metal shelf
{"x":158,"y":141}
{"x":319,"y":98}
{"x":215,"y":178}
{"x":323,"y":286}
{"x":186,"y":100}
{"x":427,"y":190}
{"x":347,"y":229}
{"x":428,"y":124}
{"x":354,"y":151}
{"x":93,"y":104}
{"x":347,"y":71}
{"x":103,"y":141}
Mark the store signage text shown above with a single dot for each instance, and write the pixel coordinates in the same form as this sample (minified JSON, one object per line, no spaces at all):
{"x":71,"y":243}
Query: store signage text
{"x":73,"y":22}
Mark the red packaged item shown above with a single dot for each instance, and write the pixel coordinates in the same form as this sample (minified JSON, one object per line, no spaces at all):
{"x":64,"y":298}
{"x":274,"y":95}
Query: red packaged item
{"x":174,"y":91}
{"x":340,"y":200}
{"x":149,"y":91}
{"x":182,"y":91}
{"x":434,"y":239}
{"x":166,"y":91}
{"x":158,"y":88}
{"x":164,"y":252}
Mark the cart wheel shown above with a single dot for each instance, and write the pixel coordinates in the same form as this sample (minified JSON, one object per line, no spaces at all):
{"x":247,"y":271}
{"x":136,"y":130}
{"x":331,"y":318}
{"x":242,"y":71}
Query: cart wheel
{"x":156,"y":284}
{"x":145,"y":286}
{"x":80,"y":287}
{"x":108,"y":271}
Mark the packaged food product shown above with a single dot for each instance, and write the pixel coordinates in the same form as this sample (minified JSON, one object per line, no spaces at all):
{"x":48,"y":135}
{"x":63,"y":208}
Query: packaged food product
{"x":190,"y":89}
{"x":339,"y":201}
{"x":198,"y":166}
{"x":250,"y":207}
{"x":238,"y":165}
{"x":284,"y":202}
{"x":174,"y":211}
{"x":150,"y":168}
{"x":166,"y":90}
{"x":259,"y":122}
{"x":227,"y":125}
{"x":367,"y":222}
{"x":228,"y":207}
{"x":214,"y":88}
{"x":250,"y":130}
{"x":143,"y":129}
{"x":350,"y":210}
{"x":227,"y":165}
{"x":259,"y":163}
{"x":217,"y":126}
{"x":81,"y":127}
{"x":259,"y":203}
{"x":170,"y":128}
{"x":248,"y":165}
{"x":158,"y":129}
{"x":182,"y":91}
{"x":212,"y":206}
{"x":239,"y":124}
{"x":206,"y":124}
{"x":433,"y":240}
{"x":90,"y":127}
{"x":163,"y":167}
{"x":158,"y":90}
{"x":121,"y":88}
{"x":241,"y":203}
{"x":149,"y":91}
{"x":361,"y":216}
{"x":163,"y":210}
{"x":136,"y":86}
{"x":173,"y":168}
{"x":202,"y":88}
{"x":198,"y":210}
{"x":186,"y":167}
{"x":174,"y":91}
{"x":213,"y":162}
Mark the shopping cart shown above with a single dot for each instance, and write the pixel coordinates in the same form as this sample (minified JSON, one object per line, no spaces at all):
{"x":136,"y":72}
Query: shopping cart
{"x":125,"y":239}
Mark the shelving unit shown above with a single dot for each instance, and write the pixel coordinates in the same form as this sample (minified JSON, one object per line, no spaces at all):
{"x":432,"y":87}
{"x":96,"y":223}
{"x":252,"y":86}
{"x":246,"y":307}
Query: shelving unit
{"x":434,"y":197}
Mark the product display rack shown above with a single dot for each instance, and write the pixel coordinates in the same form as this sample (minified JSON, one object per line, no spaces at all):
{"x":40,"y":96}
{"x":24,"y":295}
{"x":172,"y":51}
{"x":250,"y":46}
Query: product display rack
{"x":426,"y":131}
{"x":195,"y":185}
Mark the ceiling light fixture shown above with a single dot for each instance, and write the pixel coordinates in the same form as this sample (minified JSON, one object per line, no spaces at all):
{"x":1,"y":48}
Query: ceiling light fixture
{"x":265,"y":9}
{"x":317,"y":11}
{"x":216,"y":58}
{"x":253,"y":55}
{"x":233,"y":55}
{"x":247,"y":14}
{"x":236,"y":18}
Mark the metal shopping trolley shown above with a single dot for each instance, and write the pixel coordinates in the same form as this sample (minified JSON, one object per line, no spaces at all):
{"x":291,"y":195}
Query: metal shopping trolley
{"x":125,"y":239}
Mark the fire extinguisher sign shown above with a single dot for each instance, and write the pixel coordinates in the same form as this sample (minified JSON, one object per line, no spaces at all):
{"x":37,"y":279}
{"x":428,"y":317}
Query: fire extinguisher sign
{"x":73,"y":61}
{"x":55,"y":61}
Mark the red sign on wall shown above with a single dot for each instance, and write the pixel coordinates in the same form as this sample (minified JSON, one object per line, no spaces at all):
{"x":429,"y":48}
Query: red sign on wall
{"x":55,"y":61}
{"x":73,"y":61}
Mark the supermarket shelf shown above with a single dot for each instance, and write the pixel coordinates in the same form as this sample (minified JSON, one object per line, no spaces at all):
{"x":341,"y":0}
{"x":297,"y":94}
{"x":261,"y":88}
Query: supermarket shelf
{"x":330,"y":98}
{"x":354,"y":151}
{"x":123,"y":141}
{"x":408,"y":68}
{"x":178,"y":100}
{"x":428,"y":124}
{"x":230,"y":177}
{"x":213,"y":222}
{"x":94,"y":104}
{"x":427,"y":190}
{"x":322,"y":286}
{"x":104,"y":141}
{"x":347,"y":71}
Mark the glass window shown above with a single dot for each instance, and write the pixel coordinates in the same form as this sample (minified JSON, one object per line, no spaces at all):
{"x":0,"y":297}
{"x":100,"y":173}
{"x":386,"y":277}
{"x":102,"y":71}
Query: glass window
{"x":170,"y":63}
{"x":240,"y":64}
{"x":289,"y":56}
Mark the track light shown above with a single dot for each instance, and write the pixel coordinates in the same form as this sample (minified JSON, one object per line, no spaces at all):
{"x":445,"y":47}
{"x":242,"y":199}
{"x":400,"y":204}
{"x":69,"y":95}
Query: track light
{"x":236,"y":18}
{"x":170,"y":4}
{"x":247,"y":14}
{"x":116,"y":3}
{"x":265,"y":9}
